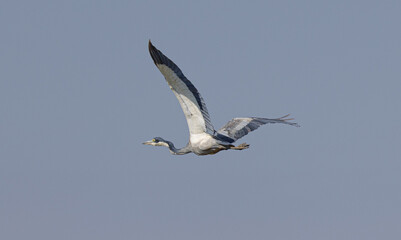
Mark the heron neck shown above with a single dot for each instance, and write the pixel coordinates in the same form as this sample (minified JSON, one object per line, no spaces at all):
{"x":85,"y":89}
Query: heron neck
{"x":179,"y":151}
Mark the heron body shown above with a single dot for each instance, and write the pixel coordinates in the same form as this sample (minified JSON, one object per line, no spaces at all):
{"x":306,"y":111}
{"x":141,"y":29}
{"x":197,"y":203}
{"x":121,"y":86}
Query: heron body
{"x":204,"y":139}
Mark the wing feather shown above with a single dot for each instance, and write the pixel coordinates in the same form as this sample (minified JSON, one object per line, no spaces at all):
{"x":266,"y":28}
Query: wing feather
{"x":239,"y":127}
{"x":191,"y":101}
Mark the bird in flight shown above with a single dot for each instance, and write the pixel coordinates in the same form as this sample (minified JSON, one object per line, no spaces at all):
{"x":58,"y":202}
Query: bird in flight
{"x":203,"y":138}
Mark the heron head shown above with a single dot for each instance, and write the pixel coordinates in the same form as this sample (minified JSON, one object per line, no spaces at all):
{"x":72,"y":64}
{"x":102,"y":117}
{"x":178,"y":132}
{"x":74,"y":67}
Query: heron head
{"x":157,"y":141}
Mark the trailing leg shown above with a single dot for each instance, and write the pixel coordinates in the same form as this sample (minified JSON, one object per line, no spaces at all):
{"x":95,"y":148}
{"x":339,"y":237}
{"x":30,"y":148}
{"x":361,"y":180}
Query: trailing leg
{"x":242,"y":146}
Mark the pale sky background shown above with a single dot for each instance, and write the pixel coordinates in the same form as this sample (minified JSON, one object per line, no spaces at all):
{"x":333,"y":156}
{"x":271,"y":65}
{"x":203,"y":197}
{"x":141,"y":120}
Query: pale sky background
{"x":79,"y":93}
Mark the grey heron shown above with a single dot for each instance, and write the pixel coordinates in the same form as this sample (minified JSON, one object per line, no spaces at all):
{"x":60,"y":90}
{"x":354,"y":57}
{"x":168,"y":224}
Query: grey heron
{"x":203,"y":139}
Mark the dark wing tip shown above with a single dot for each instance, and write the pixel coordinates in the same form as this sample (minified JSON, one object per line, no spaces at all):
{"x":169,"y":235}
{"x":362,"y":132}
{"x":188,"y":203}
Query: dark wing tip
{"x":155,"y":54}
{"x":286,"y":120}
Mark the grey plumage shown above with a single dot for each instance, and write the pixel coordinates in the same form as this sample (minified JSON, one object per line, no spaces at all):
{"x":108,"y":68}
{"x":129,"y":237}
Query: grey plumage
{"x":239,"y":127}
{"x":204,"y":139}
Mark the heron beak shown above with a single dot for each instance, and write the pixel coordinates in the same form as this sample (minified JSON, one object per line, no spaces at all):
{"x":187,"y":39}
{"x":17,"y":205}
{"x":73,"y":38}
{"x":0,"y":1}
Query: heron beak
{"x":147,"y":143}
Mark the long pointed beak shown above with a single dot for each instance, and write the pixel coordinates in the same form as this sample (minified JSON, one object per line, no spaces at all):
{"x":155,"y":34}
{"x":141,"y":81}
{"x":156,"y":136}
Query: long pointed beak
{"x":147,"y":143}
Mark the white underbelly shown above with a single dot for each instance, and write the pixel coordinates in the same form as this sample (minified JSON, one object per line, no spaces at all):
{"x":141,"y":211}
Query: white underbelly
{"x":202,"y":141}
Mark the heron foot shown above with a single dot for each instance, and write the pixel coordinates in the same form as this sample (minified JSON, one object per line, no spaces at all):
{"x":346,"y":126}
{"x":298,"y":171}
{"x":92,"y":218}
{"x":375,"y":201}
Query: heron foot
{"x":242,"y":146}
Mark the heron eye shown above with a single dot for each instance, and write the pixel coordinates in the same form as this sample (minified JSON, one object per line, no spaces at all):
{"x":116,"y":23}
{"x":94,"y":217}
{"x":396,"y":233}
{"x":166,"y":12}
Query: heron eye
{"x":153,"y":140}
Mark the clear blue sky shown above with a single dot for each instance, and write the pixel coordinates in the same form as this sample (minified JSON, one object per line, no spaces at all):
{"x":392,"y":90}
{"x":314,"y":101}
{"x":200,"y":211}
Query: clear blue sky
{"x":79,"y":93}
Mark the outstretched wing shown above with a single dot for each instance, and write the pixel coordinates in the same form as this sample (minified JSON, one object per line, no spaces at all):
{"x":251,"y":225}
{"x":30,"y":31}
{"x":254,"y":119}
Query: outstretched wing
{"x":239,"y":127}
{"x":190,"y":100}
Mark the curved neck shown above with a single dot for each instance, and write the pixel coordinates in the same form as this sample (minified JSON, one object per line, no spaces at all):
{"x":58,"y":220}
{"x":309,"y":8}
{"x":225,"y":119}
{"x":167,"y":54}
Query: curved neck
{"x":181,"y":151}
